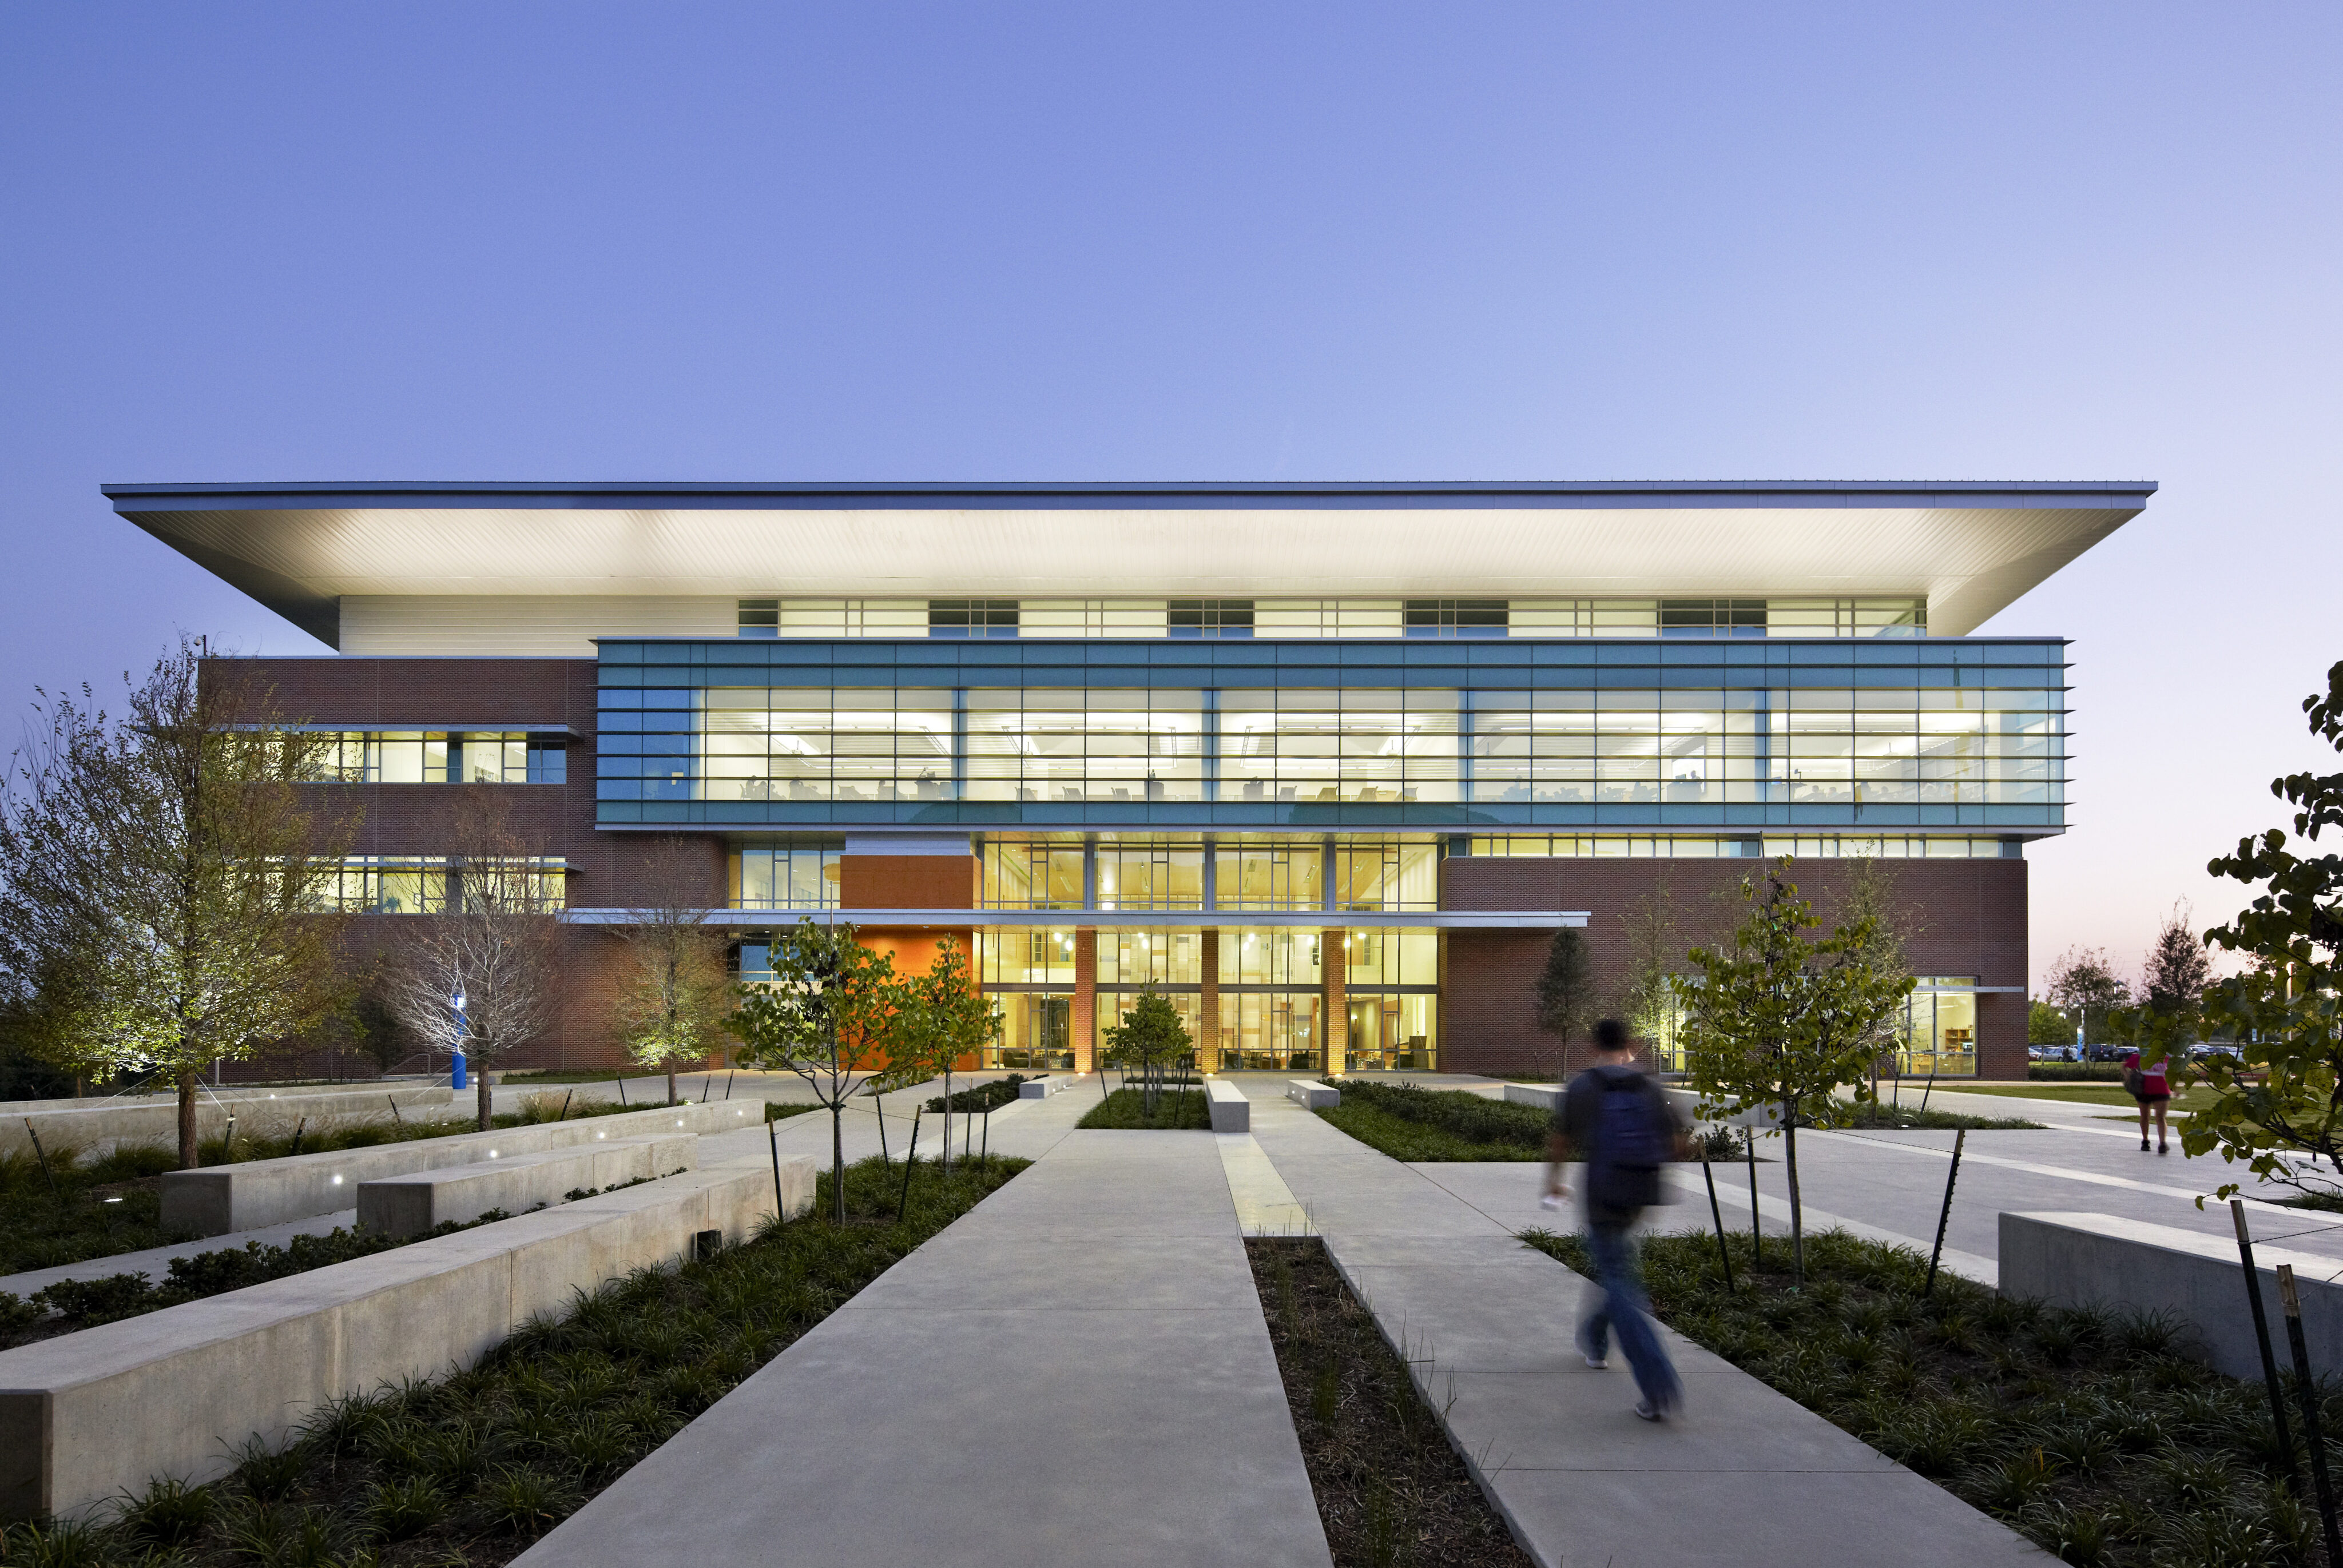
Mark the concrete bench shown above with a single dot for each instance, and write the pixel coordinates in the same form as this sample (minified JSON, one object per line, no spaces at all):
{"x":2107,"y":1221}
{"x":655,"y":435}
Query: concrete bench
{"x":1544,"y":1097}
{"x":1040,"y":1088}
{"x":1312,"y":1095}
{"x":219,"y":1199}
{"x":104,"y":1124}
{"x":87,"y":1415}
{"x":2071,"y":1259}
{"x":403,"y":1205}
{"x":1232,"y":1111}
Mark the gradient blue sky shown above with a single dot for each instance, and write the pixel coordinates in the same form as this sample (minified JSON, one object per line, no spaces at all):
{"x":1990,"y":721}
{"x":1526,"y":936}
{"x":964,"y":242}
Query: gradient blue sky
{"x":574,"y":241}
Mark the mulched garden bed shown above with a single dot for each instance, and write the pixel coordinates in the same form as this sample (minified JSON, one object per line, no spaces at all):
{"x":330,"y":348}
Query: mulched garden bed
{"x":1176,"y":1111}
{"x":467,"y":1471}
{"x":1391,"y":1490}
{"x":2088,"y":1432}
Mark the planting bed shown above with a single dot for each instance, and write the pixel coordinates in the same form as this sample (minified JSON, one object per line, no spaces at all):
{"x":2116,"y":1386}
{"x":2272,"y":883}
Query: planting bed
{"x":2086,"y":1430}
{"x":43,"y":1229}
{"x":1176,"y":1110}
{"x":471,"y":1469}
{"x":1409,"y":1124}
{"x":1390,"y":1488}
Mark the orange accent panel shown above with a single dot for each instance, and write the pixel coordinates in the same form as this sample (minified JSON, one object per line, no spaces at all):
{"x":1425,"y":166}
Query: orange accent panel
{"x":907,"y":881}
{"x":914,"y":952}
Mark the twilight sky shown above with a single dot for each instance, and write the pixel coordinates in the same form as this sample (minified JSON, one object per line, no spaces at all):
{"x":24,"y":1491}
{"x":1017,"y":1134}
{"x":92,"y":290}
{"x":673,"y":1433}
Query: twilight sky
{"x":769,"y":242}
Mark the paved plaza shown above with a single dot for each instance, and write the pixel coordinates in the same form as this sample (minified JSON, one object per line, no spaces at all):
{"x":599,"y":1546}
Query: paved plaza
{"x":1079,"y":1370}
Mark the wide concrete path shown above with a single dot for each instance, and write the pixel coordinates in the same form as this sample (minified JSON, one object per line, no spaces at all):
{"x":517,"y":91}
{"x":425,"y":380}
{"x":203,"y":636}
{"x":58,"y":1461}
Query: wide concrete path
{"x":1077,"y":1371}
{"x":1486,"y":1325}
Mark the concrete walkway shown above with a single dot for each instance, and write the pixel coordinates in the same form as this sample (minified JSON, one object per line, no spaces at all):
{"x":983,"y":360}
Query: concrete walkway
{"x":1746,"y":1475}
{"x":1078,"y":1372}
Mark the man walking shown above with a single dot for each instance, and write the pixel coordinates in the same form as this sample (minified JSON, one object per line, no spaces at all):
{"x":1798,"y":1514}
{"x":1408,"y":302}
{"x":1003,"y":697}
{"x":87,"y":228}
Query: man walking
{"x":1620,"y":1123}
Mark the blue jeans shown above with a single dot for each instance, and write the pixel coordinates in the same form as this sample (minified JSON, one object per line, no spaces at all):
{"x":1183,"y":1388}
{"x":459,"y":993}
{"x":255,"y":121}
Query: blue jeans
{"x":1623,"y":1307}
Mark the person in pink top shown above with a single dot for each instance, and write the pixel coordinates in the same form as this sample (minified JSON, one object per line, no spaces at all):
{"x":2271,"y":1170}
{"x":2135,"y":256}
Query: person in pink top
{"x":2152,"y":1087}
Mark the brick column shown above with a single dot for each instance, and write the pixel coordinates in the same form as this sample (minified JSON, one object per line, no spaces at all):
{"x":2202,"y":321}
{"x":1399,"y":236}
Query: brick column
{"x":1208,"y":1006}
{"x":1333,"y":968}
{"x":1085,"y":1000}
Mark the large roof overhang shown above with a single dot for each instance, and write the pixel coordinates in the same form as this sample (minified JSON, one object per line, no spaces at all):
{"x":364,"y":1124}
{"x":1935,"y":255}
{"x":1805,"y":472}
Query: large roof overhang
{"x":1970,"y":548}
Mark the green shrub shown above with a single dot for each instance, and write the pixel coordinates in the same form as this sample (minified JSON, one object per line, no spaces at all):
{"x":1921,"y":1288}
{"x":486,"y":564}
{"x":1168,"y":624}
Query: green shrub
{"x":2075,"y":1072}
{"x":982,"y":1098}
{"x":1176,"y":1110}
{"x":1467,"y":1116}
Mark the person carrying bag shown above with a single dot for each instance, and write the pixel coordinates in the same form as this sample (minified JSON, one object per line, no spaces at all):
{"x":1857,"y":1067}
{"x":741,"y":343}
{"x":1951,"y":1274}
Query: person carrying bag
{"x":1620,"y":1123}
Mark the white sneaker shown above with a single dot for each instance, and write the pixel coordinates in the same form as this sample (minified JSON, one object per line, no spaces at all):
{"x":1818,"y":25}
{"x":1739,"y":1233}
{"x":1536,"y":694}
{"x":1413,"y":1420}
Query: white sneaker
{"x":1600,"y":1363}
{"x":1649,"y":1410}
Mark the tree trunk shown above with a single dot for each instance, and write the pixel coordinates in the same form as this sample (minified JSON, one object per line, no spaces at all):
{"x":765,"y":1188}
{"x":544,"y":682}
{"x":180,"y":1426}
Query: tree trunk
{"x":190,"y":1156}
{"x":948,"y":1120}
{"x":670,"y":1083}
{"x":481,"y":1080}
{"x":838,"y":1157}
{"x":1797,"y":1214}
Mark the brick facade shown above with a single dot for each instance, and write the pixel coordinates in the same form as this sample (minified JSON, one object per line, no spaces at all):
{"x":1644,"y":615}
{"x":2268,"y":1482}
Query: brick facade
{"x":1964,"y":917}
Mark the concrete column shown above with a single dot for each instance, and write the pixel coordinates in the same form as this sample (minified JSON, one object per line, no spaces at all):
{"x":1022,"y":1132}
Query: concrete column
{"x":1333,"y":968}
{"x":1207,"y":1007}
{"x":1085,"y":1022}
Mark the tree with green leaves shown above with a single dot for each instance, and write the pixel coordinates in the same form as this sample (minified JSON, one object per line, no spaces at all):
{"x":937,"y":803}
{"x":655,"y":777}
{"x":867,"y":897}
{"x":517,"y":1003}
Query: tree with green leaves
{"x":167,"y":882}
{"x":1778,"y":1022}
{"x":2046,"y":1025}
{"x":2172,"y":980}
{"x":2278,"y":1103}
{"x":676,"y":992}
{"x":1564,"y":991}
{"x":2085,"y":986}
{"x":825,"y":1016}
{"x":1147,"y":1042}
{"x":943,"y":1018}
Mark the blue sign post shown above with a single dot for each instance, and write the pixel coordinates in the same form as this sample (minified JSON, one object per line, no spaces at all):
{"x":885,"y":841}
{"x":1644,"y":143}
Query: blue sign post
{"x":456,"y":1068}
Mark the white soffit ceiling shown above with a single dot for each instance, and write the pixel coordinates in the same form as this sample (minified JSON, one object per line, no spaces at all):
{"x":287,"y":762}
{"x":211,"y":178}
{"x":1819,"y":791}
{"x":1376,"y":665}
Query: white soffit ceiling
{"x":1968,"y":562}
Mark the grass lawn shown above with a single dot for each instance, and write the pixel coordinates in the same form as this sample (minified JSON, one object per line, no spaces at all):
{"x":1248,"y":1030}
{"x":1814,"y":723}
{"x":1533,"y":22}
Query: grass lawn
{"x":2193,"y":1098}
{"x":1176,"y":1111}
{"x":2085,"y":1430}
{"x":468,"y":1469}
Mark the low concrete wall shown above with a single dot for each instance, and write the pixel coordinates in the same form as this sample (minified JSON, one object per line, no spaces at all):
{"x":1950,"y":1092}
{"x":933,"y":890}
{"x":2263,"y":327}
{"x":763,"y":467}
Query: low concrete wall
{"x":1042,"y":1088}
{"x":88,"y":1415}
{"x":219,"y":1199}
{"x":1312,"y":1095}
{"x":154,"y":1119}
{"x":1542,"y":1096}
{"x":2086,"y":1259}
{"x":405,"y":1205}
{"x":1230,"y":1111}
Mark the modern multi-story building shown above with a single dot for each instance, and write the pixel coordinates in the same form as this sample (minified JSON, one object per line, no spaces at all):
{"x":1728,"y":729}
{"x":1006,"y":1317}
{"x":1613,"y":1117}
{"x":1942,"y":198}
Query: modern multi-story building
{"x":1328,"y":764}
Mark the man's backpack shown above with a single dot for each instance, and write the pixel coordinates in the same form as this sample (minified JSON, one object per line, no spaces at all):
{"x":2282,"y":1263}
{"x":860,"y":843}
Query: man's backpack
{"x":1633,"y":1137}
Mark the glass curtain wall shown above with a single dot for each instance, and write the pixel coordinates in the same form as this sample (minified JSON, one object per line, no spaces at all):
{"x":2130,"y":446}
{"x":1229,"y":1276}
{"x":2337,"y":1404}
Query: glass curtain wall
{"x":1797,"y":746}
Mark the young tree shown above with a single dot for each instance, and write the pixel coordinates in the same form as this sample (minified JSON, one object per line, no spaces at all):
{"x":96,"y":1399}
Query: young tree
{"x":943,"y":1018}
{"x":2172,"y":979}
{"x":1148,"y":1040}
{"x":676,"y":993}
{"x":1778,"y":1022}
{"x":482,"y":970}
{"x":2083,"y":985}
{"x":166,"y":881}
{"x":2281,"y":1097}
{"x":1566,"y":989}
{"x":825,"y":1016}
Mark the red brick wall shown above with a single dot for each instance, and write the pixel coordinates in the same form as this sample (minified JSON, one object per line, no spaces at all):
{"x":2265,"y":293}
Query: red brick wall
{"x":907,"y":881}
{"x":1967,"y":918}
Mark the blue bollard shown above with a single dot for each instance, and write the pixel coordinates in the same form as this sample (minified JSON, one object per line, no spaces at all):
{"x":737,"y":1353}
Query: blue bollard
{"x":456,"y":1073}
